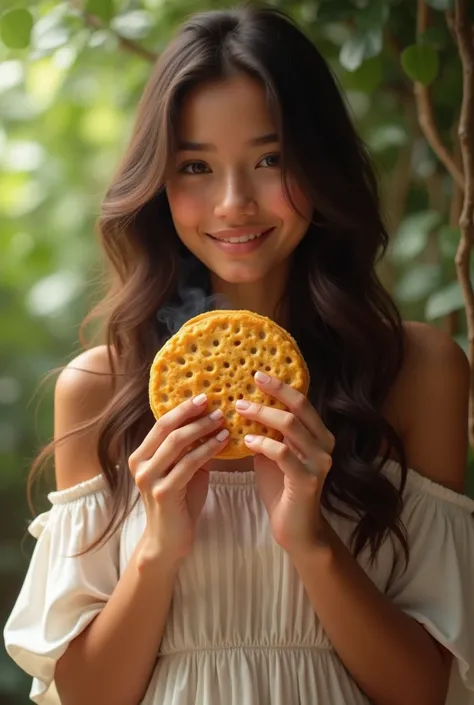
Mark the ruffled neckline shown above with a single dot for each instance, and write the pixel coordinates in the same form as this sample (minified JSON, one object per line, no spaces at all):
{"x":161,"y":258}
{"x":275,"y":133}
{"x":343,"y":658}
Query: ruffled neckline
{"x":248,"y":479}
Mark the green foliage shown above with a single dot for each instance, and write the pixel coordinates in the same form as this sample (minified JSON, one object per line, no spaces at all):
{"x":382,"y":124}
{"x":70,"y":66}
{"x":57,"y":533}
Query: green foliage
{"x":104,"y":9}
{"x":420,"y":62}
{"x":15,"y":28}
{"x":68,"y":91}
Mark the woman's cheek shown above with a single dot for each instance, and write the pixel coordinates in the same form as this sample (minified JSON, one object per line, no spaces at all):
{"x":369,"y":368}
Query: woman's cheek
{"x":186,"y":206}
{"x":276,"y":201}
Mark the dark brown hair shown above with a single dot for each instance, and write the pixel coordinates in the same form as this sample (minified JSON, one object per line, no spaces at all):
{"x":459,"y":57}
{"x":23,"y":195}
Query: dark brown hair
{"x":345,"y":323}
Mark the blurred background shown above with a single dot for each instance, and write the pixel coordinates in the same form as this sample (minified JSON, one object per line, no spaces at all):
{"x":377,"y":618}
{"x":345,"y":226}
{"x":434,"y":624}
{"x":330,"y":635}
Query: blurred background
{"x":71,"y":74}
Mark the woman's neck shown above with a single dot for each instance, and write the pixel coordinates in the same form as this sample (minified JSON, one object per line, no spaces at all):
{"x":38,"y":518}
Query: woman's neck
{"x":265,"y":297}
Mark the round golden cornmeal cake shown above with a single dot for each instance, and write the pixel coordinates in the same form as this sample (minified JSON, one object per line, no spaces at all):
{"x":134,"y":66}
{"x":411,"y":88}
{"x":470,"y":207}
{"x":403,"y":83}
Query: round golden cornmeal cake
{"x":218,"y":353}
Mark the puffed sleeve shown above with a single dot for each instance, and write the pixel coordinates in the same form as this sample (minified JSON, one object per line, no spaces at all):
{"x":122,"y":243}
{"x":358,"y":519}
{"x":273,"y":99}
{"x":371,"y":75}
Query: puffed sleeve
{"x":437,"y":589}
{"x":62,"y":594}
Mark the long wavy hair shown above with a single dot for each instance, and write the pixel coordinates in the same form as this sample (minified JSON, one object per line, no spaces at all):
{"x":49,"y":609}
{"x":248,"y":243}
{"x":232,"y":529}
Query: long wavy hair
{"x":346,"y":324}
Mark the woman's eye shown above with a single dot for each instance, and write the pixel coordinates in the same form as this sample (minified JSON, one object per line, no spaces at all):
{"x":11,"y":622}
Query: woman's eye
{"x":271,"y":160}
{"x":194,"y":168}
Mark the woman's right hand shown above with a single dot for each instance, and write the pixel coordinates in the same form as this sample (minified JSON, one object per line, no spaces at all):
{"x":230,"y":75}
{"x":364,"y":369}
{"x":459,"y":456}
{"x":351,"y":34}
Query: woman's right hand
{"x":172,"y":480}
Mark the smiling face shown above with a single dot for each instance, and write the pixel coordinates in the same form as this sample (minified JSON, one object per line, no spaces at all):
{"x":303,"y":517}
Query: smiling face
{"x":225,"y":185}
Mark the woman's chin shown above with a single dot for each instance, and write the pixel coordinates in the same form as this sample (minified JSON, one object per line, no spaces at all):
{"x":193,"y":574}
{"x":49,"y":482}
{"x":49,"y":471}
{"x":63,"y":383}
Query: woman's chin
{"x":240,"y":275}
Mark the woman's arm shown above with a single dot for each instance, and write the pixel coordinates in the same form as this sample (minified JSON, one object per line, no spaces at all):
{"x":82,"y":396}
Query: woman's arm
{"x":391,"y":656}
{"x":112,"y":660}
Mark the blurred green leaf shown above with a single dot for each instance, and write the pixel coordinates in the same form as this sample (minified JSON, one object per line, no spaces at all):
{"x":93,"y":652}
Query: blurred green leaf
{"x":418,"y":282}
{"x":434,"y":36}
{"x":15,"y":28}
{"x":448,"y":241}
{"x":421,"y":63}
{"x":362,"y":45}
{"x":103,"y":9}
{"x":367,"y":77}
{"x":334,"y":10}
{"x":440,"y":4}
{"x":442,"y":302}
{"x":412,"y":236}
{"x":133,"y":25}
{"x":373,"y":15}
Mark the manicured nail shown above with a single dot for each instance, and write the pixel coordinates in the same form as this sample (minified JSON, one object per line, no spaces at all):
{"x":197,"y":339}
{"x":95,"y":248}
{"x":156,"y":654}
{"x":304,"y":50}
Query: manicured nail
{"x":222,"y":435}
{"x":242,"y":404}
{"x":215,"y":415}
{"x":262,"y":377}
{"x":249,"y":438}
{"x":199,"y":400}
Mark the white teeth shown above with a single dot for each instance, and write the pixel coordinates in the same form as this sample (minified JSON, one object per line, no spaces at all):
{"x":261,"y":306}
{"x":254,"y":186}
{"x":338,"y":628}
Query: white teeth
{"x":245,"y":238}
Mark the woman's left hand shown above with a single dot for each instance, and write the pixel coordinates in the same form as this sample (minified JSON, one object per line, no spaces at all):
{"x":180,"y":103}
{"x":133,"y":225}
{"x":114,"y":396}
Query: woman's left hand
{"x":290,"y":473}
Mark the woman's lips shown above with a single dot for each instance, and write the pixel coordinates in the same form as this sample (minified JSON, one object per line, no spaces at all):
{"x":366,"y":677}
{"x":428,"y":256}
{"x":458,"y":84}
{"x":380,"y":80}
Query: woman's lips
{"x":241,"y":248}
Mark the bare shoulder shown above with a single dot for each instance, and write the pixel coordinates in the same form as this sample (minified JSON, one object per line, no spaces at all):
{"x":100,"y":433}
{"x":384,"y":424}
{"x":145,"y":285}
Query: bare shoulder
{"x":83,"y":390}
{"x":431,"y":396}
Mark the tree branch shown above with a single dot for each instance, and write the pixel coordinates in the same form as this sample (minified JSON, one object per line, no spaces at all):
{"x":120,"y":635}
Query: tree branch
{"x":464,"y":36}
{"x":425,"y":110}
{"x":127,"y":44}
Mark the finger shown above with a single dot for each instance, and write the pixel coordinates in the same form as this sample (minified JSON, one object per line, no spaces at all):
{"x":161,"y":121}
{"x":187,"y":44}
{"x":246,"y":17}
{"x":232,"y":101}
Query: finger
{"x":299,"y":405}
{"x":284,"y":421}
{"x":190,"y":463}
{"x":174,"y":448}
{"x":179,"y":441}
{"x":278,"y":452}
{"x":315,"y":467}
{"x":174,"y":418}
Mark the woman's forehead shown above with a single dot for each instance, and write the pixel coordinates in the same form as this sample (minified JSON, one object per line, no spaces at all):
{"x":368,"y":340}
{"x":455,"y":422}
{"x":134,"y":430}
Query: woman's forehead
{"x":236,"y":107}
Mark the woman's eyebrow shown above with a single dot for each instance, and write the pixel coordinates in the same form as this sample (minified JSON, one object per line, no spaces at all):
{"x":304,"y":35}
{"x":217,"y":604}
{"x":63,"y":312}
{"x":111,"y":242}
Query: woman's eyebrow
{"x":187,"y":146}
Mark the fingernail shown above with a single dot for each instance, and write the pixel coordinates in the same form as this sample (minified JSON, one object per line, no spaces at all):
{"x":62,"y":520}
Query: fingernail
{"x":199,"y":400}
{"x":242,"y":404}
{"x":217,"y":414}
{"x":249,"y":438}
{"x":222,"y":435}
{"x":262,"y":377}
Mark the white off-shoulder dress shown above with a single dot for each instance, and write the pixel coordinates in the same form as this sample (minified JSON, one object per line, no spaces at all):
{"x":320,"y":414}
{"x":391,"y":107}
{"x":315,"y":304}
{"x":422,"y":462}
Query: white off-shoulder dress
{"x":241,"y":629}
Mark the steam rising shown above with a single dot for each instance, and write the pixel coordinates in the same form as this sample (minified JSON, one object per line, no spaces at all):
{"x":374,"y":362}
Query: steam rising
{"x":192,"y":300}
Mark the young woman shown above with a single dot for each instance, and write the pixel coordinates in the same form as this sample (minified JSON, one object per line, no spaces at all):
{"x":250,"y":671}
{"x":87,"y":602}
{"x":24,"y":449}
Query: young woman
{"x":333,"y":568}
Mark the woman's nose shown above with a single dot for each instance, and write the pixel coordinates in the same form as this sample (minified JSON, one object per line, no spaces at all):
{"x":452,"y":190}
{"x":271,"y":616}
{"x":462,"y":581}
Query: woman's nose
{"x":235,"y":200}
